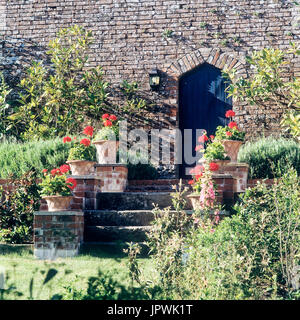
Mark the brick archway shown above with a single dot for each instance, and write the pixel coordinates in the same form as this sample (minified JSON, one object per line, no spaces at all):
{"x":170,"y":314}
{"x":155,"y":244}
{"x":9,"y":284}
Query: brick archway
{"x":170,"y":84}
{"x":214,"y":56}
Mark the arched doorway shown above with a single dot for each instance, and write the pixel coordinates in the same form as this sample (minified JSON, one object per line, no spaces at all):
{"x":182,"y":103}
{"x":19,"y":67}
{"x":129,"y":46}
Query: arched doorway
{"x":202,"y":104}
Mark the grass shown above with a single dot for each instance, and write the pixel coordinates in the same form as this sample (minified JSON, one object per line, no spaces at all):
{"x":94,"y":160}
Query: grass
{"x":21,"y":266}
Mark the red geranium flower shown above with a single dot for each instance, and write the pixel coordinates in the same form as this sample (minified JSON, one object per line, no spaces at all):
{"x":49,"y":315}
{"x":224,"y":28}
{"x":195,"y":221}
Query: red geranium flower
{"x":112,"y":117}
{"x":232,"y":125}
{"x":229,"y":114}
{"x":105,"y":116}
{"x":85,"y":142}
{"x":89,"y":130}
{"x":212,"y":137}
{"x":198,"y":176}
{"x":64,"y":168}
{"x":44,"y":170}
{"x":213,"y":166}
{"x":191,"y":182}
{"x":71,"y":183}
{"x":55,"y":172}
{"x":107,"y":123}
{"x":228,"y":134}
{"x":66,"y":139}
{"x":203,"y":138}
{"x":199,"y":147}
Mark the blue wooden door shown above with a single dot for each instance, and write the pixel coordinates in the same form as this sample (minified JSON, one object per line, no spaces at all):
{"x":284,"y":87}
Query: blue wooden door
{"x":202,"y":103}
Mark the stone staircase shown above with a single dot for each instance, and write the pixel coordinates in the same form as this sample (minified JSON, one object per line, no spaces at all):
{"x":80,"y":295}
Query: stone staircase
{"x":123,"y":217}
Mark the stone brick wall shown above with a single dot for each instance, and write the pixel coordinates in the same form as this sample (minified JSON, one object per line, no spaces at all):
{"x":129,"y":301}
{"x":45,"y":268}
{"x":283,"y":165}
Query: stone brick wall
{"x":133,"y":36}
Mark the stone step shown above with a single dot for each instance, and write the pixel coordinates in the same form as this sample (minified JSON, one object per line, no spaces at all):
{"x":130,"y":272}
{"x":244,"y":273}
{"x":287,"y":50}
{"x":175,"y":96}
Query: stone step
{"x":118,"y":218}
{"x":115,"y":233}
{"x":134,"y":200}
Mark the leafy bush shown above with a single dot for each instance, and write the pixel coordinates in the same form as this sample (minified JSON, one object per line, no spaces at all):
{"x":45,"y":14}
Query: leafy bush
{"x":215,"y":151}
{"x":262,"y":154}
{"x":82,"y":152}
{"x":141,"y":171}
{"x":252,"y":255}
{"x":18,"y":158}
{"x":56,"y":99}
{"x":17,"y":208}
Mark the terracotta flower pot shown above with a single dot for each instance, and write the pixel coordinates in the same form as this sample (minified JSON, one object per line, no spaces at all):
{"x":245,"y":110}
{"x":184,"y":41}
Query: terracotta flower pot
{"x":195,"y":200}
{"x":232,"y":148}
{"x":81,"y":167}
{"x":58,"y":203}
{"x":106,"y":151}
{"x":220,"y":163}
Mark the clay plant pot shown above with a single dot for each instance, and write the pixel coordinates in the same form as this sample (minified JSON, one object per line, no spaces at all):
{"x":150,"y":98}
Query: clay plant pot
{"x":195,"y":200}
{"x":221,"y":163}
{"x":81,"y":167}
{"x":58,"y":203}
{"x":232,"y":148}
{"x":106,"y":151}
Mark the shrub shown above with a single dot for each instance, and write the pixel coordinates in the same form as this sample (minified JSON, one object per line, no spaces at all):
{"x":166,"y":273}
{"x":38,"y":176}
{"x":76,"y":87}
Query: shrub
{"x":255,"y":253}
{"x":56,"y":99}
{"x":264,"y":153}
{"x":141,"y":171}
{"x":17,"y":208}
{"x":18,"y":158}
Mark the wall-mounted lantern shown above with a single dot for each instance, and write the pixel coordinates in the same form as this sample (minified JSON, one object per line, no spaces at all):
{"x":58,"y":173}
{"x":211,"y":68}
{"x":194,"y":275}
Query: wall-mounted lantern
{"x":154,"y":79}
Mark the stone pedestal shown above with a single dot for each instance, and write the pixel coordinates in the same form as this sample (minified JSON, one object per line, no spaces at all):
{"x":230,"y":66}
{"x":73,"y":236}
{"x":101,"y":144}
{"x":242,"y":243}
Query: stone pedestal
{"x":113,"y":177}
{"x":57,"y":234}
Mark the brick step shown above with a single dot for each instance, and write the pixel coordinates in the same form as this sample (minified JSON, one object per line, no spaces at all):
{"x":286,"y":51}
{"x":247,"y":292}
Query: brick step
{"x":134,"y":200}
{"x":119,"y":218}
{"x":115,"y":233}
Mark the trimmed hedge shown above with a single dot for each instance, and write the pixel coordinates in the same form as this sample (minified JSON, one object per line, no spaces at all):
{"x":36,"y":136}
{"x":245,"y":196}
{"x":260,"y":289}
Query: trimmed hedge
{"x":264,"y":153}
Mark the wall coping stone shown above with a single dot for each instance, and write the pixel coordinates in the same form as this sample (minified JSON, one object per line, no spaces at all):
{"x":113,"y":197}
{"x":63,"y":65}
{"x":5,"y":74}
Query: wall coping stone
{"x":59,"y":213}
{"x":110,"y":165}
{"x":85,"y":177}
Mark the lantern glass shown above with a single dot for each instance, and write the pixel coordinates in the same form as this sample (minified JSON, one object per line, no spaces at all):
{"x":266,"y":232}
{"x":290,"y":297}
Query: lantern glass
{"x":154,"y":79}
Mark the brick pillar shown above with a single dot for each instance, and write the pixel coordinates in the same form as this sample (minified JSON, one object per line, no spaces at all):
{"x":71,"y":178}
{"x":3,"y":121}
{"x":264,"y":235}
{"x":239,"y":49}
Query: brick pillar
{"x":113,"y":177}
{"x":57,"y":234}
{"x":239,"y":172}
{"x":85,"y":192}
{"x":225,"y":184}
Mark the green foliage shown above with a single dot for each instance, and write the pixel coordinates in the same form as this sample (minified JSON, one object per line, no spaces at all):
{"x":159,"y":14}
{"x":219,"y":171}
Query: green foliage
{"x":17,"y":208}
{"x":141,"y":171}
{"x":268,"y":84}
{"x":253,"y":254}
{"x":133,"y":104}
{"x":235,"y":133}
{"x":55,"y":185}
{"x":291,"y":123}
{"x":56,"y":98}
{"x":107,"y":133}
{"x":215,"y":151}
{"x":4,"y":107}
{"x":168,"y":33}
{"x":265,"y":153}
{"x":81,"y":152}
{"x":18,"y":158}
{"x":166,"y":241}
